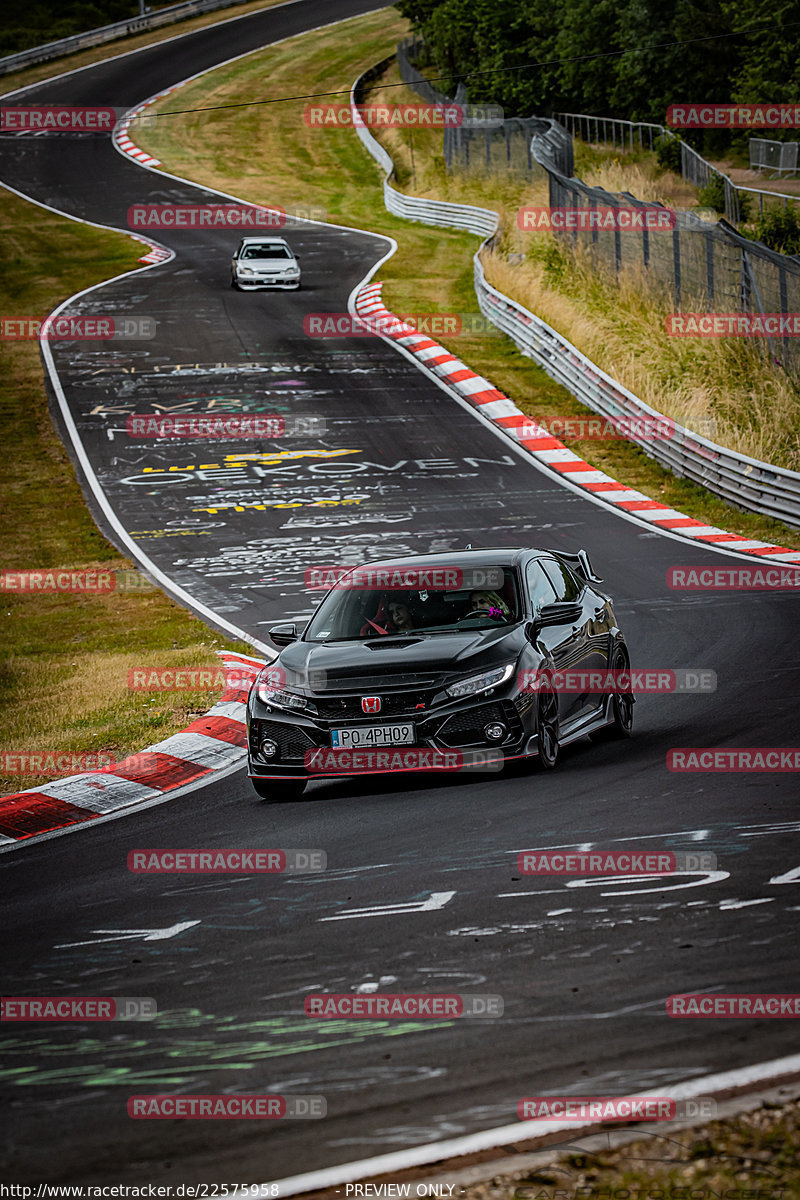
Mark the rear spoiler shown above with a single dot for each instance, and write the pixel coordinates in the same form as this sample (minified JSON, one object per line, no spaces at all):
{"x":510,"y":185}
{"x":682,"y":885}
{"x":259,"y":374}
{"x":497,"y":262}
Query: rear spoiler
{"x":580,"y":563}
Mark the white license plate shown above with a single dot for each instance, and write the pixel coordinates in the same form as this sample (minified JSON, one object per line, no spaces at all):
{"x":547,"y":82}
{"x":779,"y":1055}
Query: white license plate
{"x":374,"y":735}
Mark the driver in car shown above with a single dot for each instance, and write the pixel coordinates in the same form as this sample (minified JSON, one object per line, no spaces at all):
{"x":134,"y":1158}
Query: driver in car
{"x":489,"y":603}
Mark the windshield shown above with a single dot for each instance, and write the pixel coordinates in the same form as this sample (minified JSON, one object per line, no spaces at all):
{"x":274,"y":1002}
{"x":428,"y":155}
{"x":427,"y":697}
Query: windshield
{"x":266,"y":252}
{"x":354,"y":614}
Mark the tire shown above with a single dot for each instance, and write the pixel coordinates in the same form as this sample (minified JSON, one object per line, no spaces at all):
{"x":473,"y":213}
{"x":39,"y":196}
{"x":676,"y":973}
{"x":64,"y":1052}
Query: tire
{"x":621,"y":704}
{"x":547,"y":731}
{"x":279,"y":790}
{"x":234,"y":285}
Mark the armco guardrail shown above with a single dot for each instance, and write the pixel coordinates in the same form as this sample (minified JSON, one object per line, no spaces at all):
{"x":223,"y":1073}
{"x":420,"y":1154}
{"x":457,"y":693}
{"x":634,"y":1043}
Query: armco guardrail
{"x":482,"y":221}
{"x":694,"y":167}
{"x":107,"y":33}
{"x":743,"y":481}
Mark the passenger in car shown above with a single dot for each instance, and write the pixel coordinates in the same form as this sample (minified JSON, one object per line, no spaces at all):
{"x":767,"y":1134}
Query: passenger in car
{"x":401,"y":616}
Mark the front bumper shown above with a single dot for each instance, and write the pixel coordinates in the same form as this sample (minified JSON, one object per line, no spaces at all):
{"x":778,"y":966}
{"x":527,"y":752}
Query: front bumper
{"x":457,"y":726}
{"x":291,"y":280}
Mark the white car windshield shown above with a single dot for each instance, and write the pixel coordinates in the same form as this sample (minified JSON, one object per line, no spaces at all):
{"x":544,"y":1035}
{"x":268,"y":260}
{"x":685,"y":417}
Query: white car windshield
{"x":266,"y":252}
{"x":353,"y":614}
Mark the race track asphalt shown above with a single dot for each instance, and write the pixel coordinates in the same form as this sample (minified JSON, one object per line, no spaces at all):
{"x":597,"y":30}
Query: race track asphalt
{"x":584,"y":969}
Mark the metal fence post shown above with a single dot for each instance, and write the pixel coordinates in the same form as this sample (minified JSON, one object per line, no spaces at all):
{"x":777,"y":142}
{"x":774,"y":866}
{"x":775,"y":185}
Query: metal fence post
{"x":709,"y":266}
{"x":676,"y":266}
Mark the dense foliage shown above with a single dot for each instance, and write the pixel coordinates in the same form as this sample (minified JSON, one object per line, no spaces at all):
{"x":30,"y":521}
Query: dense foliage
{"x":627,"y":58}
{"x":24,"y":24}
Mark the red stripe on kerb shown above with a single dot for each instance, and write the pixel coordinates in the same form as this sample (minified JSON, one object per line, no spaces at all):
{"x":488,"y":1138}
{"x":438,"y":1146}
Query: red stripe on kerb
{"x":608,"y":487}
{"x":681,"y":523}
{"x":515,"y":418}
{"x":635,"y":505}
{"x":238,"y":694}
{"x":542,"y":443}
{"x":580,"y":465}
{"x":160,"y":771}
{"x":248,"y":662}
{"x":24,"y":814}
{"x":221,"y":728}
{"x":774,"y":550}
{"x":486,"y":397}
{"x":720,"y":537}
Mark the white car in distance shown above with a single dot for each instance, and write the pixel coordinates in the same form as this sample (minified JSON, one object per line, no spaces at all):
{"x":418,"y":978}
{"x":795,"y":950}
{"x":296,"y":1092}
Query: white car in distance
{"x":264,"y":262}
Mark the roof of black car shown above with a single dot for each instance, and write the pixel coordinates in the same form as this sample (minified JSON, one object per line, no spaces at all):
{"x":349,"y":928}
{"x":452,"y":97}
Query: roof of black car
{"x":461,"y":558}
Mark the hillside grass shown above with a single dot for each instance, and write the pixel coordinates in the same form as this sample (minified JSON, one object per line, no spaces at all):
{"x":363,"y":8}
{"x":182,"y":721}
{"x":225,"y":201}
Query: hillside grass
{"x":65,"y":657}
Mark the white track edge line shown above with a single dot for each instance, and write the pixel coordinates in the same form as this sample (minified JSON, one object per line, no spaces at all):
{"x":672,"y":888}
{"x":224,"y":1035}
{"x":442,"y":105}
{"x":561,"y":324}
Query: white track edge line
{"x":557,"y":479}
{"x":504,"y":1135}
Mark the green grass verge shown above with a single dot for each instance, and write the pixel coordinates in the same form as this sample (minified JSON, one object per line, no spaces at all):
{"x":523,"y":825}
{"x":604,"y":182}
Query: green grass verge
{"x":65,"y":658}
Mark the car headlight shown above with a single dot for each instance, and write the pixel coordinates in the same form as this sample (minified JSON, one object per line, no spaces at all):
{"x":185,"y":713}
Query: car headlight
{"x":480,"y":683}
{"x":280,"y":697}
{"x":246,"y":271}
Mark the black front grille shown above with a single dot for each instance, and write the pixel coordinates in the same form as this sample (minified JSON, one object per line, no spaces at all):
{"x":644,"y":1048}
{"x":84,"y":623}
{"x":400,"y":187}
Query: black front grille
{"x":334,"y":708}
{"x":292,"y":741}
{"x":466,"y":728}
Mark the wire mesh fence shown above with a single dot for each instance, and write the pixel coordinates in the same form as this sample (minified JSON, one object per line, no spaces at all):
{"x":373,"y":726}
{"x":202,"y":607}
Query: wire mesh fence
{"x":695,"y":265}
{"x":475,"y":145}
{"x":780,"y":157}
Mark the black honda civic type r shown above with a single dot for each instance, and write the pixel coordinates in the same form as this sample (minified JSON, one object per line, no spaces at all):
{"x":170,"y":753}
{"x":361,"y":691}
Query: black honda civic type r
{"x":438,"y":658}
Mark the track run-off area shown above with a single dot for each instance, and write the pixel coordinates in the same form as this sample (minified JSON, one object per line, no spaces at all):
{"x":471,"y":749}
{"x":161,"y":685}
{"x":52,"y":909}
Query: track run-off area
{"x":421,"y":891}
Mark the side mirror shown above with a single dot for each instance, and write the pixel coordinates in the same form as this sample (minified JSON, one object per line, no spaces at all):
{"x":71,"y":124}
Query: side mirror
{"x":283,"y":635}
{"x":562,"y":613}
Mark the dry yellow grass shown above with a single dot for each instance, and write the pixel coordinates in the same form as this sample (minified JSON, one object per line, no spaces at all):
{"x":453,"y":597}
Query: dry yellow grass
{"x":726,"y":388}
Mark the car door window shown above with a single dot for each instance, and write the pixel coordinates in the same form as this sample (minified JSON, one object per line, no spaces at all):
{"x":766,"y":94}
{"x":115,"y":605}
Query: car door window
{"x":565,"y":584}
{"x":540,"y":588}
